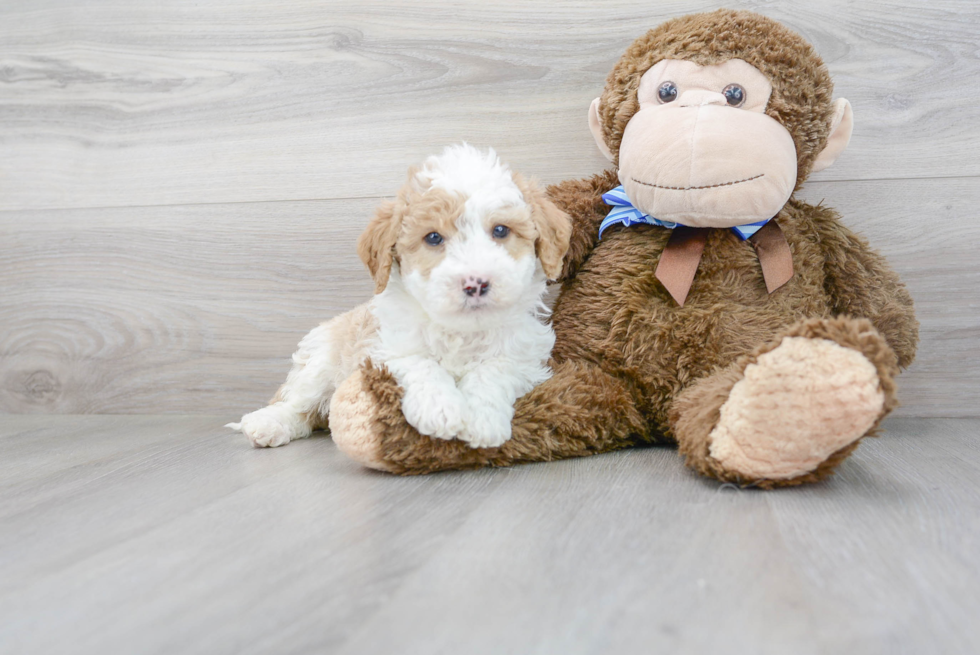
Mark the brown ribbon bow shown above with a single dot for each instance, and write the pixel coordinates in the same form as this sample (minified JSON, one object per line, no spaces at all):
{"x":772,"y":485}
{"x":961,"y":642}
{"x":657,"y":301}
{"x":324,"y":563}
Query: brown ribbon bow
{"x":679,"y":260}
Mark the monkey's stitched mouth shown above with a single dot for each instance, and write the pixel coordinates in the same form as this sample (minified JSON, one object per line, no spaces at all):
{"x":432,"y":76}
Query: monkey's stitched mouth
{"x":695,"y":188}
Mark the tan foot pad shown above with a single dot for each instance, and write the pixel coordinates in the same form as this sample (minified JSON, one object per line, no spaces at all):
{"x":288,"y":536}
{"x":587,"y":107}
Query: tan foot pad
{"x":352,"y":423}
{"x":797,"y":405}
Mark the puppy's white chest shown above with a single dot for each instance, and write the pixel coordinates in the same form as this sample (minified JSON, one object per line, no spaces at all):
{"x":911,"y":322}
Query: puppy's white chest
{"x":459,"y":353}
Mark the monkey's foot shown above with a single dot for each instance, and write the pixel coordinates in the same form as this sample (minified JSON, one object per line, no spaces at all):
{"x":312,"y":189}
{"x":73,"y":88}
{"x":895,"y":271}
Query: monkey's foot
{"x":794,"y":407}
{"x":355,"y":425}
{"x":792,"y":411}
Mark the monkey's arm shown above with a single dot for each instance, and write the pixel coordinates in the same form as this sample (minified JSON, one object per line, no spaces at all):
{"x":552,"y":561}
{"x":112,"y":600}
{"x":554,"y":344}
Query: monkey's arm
{"x":862,"y":284}
{"x":582,"y":200}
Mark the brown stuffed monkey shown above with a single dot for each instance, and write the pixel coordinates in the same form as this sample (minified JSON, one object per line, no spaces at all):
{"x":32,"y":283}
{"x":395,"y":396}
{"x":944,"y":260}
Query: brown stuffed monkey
{"x":701,"y":305}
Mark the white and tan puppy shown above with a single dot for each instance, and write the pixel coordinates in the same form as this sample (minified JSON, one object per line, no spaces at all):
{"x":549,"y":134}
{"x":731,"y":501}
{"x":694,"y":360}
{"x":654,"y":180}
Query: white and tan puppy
{"x":460,"y":260}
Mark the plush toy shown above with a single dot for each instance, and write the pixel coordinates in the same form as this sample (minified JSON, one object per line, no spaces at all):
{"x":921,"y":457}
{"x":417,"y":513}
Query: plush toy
{"x":702,"y":304}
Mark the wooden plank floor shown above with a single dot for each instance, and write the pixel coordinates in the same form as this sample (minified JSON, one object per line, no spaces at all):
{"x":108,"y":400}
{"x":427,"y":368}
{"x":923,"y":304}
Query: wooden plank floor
{"x":171,"y":535}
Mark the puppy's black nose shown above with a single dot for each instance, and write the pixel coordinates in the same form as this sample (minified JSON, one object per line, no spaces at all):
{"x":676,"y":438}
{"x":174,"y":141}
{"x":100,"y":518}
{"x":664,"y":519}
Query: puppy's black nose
{"x":474,"y":286}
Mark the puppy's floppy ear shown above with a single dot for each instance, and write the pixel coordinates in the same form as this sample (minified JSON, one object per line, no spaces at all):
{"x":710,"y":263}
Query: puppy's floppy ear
{"x":376,"y":245}
{"x":553,"y":225}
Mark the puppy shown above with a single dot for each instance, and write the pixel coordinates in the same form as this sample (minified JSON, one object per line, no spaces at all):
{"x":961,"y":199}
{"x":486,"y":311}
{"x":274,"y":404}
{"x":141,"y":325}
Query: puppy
{"x":460,"y":261}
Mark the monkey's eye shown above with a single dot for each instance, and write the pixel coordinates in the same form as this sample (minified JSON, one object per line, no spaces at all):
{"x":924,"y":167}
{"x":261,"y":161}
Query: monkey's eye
{"x":500,"y":231}
{"x":734,"y":94}
{"x":667,"y":92}
{"x":433,"y":239}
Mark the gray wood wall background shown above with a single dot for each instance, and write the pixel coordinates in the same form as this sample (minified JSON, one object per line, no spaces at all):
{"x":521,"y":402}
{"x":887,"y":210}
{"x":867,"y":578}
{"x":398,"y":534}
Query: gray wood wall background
{"x":182,"y":183}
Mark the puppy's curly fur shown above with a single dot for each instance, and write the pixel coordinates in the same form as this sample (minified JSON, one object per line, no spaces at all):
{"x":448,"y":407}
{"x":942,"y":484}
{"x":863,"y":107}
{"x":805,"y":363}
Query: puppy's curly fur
{"x":460,"y":260}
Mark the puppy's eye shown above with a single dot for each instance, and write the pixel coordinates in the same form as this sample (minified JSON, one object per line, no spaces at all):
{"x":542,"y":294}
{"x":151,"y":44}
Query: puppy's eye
{"x":667,"y":92}
{"x":500,"y":231}
{"x":734,"y":94}
{"x":433,"y":239}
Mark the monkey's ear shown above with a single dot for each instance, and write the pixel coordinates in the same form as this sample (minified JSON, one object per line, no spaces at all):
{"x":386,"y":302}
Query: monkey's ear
{"x":595,"y":125}
{"x":376,"y":245}
{"x":841,"y":126}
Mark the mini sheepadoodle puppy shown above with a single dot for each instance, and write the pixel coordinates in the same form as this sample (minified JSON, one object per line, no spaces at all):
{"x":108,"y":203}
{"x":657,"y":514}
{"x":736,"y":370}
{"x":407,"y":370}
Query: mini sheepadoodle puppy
{"x":460,"y":260}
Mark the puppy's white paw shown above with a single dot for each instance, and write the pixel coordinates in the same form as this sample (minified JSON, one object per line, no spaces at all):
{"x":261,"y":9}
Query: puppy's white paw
{"x":435,"y":411}
{"x":266,"y":428}
{"x":487,"y":427}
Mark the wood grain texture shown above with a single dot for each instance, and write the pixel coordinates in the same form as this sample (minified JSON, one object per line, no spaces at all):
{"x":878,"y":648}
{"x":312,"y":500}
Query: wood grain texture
{"x":155,"y":305}
{"x":147,"y":103}
{"x":150,"y":310}
{"x":167,"y":534}
{"x":181,"y":187}
{"x":196,"y":309}
{"x":928,"y":231}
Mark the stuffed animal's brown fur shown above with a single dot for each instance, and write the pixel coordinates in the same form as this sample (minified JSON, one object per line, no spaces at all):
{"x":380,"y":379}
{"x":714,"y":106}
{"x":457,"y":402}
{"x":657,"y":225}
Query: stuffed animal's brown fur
{"x":630,"y":365}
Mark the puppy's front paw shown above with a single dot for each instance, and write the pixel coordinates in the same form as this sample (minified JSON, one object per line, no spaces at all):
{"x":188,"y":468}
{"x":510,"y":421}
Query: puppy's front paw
{"x":266,"y":427}
{"x":487,"y":427}
{"x":435,"y":411}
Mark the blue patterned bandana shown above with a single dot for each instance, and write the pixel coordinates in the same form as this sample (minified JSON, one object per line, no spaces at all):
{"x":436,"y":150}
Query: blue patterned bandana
{"x":624,"y":212}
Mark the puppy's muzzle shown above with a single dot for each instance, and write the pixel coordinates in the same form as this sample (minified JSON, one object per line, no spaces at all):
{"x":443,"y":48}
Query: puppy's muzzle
{"x":475,"y":286}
